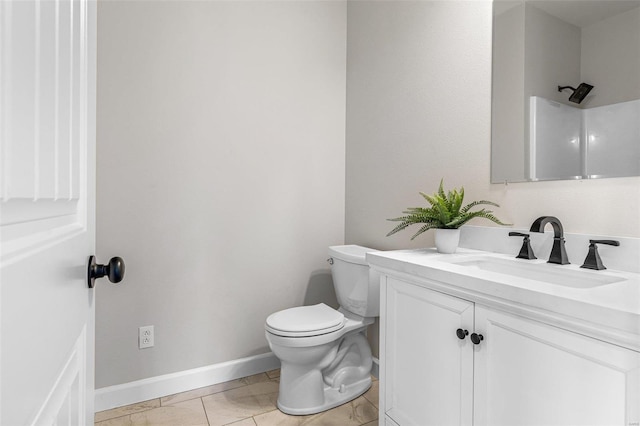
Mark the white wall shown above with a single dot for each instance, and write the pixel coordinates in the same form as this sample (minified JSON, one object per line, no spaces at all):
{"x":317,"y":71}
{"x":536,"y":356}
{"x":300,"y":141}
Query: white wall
{"x":418,"y":110}
{"x":220,"y":174}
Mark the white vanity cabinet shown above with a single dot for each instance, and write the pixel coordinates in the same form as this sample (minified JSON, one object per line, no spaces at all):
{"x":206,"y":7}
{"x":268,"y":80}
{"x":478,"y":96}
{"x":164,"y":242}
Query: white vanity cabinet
{"x":523,"y":372}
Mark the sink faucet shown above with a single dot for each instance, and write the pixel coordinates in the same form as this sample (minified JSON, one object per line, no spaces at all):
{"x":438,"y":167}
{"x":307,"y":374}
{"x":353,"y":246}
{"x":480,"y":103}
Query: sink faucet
{"x":558,"y":251}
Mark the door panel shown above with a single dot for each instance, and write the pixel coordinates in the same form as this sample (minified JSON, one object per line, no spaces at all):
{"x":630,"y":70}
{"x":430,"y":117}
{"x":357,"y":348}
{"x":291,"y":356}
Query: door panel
{"x":530,"y":373}
{"x":47,"y":210}
{"x":429,"y":371}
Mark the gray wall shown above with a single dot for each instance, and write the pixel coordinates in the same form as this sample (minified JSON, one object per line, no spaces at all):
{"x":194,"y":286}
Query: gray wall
{"x":508,"y":118}
{"x":418,"y":110}
{"x":552,"y":57}
{"x":605,"y":54}
{"x":221,"y":159}
{"x":611,"y":58}
{"x":220,"y":174}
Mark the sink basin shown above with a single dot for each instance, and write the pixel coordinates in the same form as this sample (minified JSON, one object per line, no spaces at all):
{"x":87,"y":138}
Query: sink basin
{"x":545,"y":272}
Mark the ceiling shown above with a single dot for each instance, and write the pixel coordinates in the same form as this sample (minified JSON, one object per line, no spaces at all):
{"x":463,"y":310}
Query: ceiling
{"x":580,"y":13}
{"x":583,"y":13}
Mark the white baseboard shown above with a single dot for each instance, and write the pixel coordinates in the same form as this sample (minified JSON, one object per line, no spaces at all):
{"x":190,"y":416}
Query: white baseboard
{"x":168,"y":384}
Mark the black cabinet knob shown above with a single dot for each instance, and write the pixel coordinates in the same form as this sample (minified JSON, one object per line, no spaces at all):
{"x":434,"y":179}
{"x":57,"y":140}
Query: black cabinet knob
{"x":476,"y":338}
{"x":114,"y":270}
{"x":461,"y":333}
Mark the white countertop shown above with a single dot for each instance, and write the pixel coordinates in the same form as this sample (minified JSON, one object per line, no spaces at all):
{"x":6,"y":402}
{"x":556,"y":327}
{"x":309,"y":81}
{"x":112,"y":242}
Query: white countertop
{"x":610,"y":312}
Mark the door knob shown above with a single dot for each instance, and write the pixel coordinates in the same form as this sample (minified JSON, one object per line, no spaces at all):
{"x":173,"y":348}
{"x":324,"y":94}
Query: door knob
{"x":462,"y":333}
{"x":114,"y":270}
{"x":476,"y":338}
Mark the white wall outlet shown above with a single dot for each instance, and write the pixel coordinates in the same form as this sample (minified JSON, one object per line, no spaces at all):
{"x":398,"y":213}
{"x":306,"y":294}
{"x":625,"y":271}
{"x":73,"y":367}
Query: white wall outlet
{"x":145,"y":337}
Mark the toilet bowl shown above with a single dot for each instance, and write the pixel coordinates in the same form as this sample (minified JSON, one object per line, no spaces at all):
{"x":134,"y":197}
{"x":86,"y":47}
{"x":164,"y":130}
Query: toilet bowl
{"x":325,"y":357}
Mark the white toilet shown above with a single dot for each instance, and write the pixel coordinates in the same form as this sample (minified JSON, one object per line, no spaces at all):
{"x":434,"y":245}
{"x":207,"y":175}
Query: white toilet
{"x":324,"y":354}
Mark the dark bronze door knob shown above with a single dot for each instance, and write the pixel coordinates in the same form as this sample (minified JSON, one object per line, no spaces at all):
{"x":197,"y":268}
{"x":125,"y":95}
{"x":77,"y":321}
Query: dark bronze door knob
{"x":114,"y":270}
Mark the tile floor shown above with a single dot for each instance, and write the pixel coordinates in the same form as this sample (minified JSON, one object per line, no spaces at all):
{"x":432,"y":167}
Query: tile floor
{"x":250,"y":401}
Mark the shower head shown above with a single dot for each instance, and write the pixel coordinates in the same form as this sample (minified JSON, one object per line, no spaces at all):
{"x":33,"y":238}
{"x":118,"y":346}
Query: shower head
{"x":578,"y":94}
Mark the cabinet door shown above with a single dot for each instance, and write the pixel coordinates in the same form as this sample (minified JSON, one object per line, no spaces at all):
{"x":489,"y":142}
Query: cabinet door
{"x":428,"y":371}
{"x":530,"y":373}
{"x":389,"y":422}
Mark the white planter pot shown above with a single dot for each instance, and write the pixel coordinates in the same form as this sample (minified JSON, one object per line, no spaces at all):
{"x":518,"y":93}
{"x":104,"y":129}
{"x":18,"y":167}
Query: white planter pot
{"x":447,"y":240}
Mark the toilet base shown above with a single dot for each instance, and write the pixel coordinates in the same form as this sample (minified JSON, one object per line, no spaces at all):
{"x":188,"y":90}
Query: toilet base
{"x":332,"y":398}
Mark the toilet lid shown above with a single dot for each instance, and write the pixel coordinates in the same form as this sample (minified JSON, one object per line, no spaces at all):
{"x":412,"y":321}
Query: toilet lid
{"x":305,"y":321}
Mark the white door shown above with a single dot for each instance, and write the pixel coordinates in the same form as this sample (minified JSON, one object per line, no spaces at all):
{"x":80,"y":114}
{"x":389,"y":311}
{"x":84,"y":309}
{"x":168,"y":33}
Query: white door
{"x":530,"y":373}
{"x":428,"y":370}
{"x":47,"y":210}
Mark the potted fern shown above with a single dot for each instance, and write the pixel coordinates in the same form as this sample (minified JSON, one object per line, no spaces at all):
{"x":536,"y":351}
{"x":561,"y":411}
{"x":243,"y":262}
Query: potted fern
{"x":446,"y":215}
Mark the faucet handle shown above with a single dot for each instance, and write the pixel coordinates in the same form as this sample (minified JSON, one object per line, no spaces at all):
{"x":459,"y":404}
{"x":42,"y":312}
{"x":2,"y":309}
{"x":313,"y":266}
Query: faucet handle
{"x":526,"y":252}
{"x":593,"y":260}
{"x":608,"y":242}
{"x":518,"y":234}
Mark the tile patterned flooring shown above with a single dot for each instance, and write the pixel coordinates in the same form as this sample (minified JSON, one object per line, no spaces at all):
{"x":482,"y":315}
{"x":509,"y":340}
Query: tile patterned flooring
{"x":250,"y":401}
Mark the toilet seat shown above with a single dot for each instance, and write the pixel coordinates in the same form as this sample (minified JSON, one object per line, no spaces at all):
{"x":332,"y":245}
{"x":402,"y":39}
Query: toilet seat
{"x":305,"y":321}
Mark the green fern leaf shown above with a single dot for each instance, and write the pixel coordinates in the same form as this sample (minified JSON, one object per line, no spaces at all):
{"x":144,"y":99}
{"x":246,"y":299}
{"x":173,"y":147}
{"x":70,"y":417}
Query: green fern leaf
{"x":477,"y":203}
{"x":424,"y":228}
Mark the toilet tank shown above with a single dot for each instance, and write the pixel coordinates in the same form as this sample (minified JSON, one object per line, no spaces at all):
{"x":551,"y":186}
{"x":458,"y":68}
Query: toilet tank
{"x":357,"y":287}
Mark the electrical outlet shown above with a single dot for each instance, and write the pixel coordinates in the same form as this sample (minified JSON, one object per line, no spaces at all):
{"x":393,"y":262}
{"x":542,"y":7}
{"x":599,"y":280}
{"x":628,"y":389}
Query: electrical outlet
{"x":145,"y":337}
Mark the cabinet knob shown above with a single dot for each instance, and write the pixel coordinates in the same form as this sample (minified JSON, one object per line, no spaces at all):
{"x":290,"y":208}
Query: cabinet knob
{"x":476,"y":338}
{"x":461,"y":333}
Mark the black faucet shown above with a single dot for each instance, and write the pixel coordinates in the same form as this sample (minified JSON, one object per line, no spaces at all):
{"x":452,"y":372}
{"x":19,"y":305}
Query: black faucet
{"x":558,"y":251}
